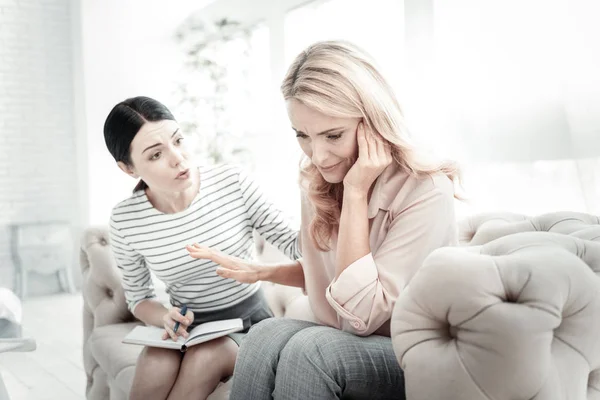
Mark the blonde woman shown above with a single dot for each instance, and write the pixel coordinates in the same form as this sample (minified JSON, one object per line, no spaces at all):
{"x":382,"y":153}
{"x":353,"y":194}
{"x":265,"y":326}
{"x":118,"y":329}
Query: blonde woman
{"x":373,"y":209}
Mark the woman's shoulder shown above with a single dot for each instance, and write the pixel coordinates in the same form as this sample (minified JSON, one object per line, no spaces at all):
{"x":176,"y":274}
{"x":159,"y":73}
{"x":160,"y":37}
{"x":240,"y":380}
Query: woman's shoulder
{"x":404,"y":189}
{"x":211,"y":171}
{"x":136,"y":202}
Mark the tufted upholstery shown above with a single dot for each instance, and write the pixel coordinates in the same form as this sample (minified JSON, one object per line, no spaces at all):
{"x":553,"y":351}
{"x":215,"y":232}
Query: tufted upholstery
{"x":512,"y":314}
{"x":108,"y":363}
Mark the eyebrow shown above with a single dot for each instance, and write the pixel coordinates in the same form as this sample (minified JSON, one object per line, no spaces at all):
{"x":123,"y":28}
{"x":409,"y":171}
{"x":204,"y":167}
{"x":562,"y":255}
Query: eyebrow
{"x":325,"y":132}
{"x":158,"y":144}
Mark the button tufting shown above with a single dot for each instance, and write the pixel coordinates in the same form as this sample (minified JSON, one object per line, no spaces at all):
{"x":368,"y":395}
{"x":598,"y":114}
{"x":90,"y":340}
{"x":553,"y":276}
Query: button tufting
{"x":103,"y":242}
{"x":109,"y":293}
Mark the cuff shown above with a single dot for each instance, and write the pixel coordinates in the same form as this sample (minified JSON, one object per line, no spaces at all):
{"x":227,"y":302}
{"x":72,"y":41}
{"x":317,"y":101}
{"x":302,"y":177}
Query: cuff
{"x":346,"y":292}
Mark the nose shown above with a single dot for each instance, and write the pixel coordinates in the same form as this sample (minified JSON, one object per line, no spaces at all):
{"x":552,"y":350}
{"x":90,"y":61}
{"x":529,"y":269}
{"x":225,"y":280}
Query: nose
{"x":177,"y":157}
{"x":319,"y":154}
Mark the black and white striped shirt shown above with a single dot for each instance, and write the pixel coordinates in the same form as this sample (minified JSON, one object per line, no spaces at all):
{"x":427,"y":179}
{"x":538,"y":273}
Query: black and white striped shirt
{"x":229,"y":205}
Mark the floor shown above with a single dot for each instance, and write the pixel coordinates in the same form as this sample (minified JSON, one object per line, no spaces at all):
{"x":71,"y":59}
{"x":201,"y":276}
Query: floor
{"x":55,"y":369}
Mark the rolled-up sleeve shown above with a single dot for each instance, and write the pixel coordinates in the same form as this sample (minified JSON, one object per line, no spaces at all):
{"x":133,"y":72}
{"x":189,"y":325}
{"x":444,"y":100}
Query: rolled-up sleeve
{"x":365,"y":293}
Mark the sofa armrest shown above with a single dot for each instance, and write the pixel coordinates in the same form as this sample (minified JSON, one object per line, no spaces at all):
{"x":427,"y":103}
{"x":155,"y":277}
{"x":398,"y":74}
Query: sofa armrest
{"x":103,"y":297}
{"x":516,"y":318}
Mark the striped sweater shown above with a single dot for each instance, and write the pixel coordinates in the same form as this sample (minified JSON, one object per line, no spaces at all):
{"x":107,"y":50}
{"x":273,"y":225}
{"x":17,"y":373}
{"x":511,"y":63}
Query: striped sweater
{"x":229,"y":205}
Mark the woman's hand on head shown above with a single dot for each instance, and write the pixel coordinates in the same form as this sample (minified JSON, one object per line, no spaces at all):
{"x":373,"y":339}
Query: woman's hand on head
{"x":374,"y":156}
{"x":229,"y":266}
{"x":171,"y":318}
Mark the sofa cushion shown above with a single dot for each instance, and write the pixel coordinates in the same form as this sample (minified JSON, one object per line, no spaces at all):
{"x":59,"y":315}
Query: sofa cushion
{"x":112,"y":355}
{"x":483,"y":228}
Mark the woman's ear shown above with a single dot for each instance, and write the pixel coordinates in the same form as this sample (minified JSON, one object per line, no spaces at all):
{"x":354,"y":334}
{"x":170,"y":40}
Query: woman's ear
{"x":127,"y":169}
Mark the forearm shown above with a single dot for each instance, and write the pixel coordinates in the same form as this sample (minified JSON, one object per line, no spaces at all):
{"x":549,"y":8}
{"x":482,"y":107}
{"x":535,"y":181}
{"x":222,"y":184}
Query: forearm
{"x":283,"y":274}
{"x":353,"y":235}
{"x":150,"y":312}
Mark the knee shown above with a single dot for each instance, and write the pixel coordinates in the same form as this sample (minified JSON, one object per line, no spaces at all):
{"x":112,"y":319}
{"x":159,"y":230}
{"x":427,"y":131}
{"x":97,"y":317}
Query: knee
{"x":316,"y":347}
{"x":254,"y":345}
{"x":265,"y":340}
{"x":219,"y":354}
{"x":263,"y":328}
{"x":155,"y":372}
{"x":159,"y":359}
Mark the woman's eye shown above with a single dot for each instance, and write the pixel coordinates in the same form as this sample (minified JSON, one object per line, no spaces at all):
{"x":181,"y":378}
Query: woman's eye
{"x":179,"y":140}
{"x":301,"y":135}
{"x":155,"y":156}
{"x":334,"y":137}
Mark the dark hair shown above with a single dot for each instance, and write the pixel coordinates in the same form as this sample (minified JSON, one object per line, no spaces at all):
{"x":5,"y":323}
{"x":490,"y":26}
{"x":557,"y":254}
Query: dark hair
{"x":124,"y":122}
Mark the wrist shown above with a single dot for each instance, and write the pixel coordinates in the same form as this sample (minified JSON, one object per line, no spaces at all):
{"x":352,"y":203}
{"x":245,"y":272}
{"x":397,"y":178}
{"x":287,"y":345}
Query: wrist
{"x":265,"y":272}
{"x":355,"y":193}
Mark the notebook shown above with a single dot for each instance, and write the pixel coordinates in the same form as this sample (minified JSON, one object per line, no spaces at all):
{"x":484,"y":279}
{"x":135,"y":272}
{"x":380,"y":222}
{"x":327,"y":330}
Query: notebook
{"x":152,"y":335}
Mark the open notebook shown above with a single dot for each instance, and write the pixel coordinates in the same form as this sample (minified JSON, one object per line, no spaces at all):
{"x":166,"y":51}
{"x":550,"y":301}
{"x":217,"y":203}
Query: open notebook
{"x":152,"y":335}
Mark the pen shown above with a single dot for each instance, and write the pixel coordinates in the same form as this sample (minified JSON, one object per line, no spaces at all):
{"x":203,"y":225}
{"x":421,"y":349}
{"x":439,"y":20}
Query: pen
{"x":182,"y":312}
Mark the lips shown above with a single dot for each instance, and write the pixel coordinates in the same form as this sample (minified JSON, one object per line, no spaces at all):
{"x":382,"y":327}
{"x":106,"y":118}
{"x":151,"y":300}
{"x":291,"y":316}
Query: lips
{"x":182,"y":173}
{"x":329,"y":167}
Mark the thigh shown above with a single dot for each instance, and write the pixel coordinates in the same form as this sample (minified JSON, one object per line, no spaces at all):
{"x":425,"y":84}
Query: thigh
{"x":349,"y":366}
{"x":159,"y":358}
{"x":219,"y":353}
{"x":155,"y":373}
{"x":271,"y":335}
{"x":256,"y":365}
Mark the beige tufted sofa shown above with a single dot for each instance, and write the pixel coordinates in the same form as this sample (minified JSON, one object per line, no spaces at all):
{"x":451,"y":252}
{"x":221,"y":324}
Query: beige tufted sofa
{"x":512,"y":314}
{"x":108,"y":363}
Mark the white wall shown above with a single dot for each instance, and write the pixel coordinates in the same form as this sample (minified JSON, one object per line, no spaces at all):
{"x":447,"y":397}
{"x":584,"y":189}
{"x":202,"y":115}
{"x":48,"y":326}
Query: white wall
{"x":128,"y":49}
{"x":37,"y":142}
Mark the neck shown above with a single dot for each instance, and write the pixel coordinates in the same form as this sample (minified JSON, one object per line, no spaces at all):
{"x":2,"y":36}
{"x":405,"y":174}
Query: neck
{"x":173,"y":202}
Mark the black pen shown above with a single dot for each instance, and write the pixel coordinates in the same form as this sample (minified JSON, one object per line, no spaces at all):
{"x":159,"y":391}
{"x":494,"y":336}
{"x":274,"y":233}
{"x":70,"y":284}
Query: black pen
{"x":182,"y":312}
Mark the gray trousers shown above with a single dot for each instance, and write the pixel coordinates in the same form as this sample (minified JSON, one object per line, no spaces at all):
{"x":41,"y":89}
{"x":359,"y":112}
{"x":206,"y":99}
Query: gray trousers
{"x":284,"y":359}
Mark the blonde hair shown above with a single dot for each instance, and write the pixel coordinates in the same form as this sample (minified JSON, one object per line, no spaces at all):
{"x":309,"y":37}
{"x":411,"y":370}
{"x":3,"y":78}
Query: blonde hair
{"x":340,"y":80}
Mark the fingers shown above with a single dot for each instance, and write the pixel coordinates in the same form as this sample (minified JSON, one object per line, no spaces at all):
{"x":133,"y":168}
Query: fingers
{"x":175,"y":315}
{"x":182,"y":331}
{"x":224,"y":273}
{"x":172,"y":318}
{"x":379,"y":150}
{"x":240,"y":276}
{"x":169,"y":326}
{"x":190,"y":316}
{"x":197,"y":251}
{"x":371,"y":142}
{"x":170,"y":333}
{"x":363,"y":150}
{"x":230,"y":274}
{"x":203,"y":252}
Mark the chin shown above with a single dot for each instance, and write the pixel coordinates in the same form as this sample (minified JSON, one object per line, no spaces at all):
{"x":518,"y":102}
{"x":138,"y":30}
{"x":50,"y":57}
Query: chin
{"x":183,"y":186}
{"x":333,"y":178}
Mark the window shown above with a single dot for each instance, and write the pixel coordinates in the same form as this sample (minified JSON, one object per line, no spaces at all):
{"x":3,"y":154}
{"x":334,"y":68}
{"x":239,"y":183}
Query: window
{"x":509,"y":88}
{"x":376,"y":25}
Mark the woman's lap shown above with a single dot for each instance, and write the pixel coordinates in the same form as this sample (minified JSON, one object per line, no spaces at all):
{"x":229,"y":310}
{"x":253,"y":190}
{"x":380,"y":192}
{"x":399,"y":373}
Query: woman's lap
{"x":282,"y":357}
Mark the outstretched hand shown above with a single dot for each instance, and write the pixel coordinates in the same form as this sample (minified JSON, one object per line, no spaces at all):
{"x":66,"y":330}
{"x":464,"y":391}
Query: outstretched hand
{"x":229,"y":266}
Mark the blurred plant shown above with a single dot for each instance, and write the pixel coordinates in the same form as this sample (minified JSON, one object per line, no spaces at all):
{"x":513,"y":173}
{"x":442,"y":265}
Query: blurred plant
{"x":204,"y":91}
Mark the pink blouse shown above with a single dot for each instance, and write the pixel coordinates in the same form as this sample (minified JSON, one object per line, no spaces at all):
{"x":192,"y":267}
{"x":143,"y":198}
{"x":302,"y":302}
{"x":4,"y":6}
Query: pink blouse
{"x":409,"y":218}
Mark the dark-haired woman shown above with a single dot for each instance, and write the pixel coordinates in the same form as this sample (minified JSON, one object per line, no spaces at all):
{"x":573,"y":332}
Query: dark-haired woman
{"x":177,"y":203}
